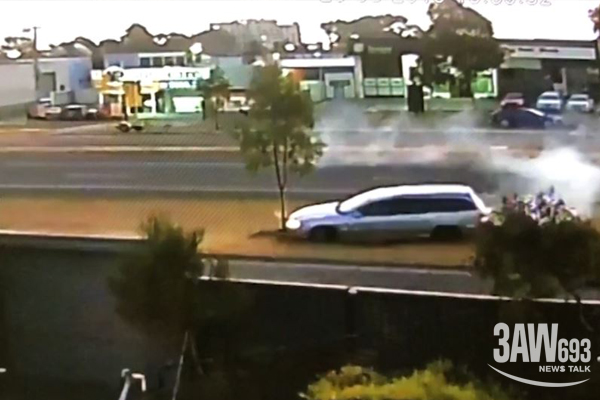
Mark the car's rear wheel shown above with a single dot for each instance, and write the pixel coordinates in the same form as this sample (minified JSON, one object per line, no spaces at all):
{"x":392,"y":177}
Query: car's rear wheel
{"x":446,"y":233}
{"x":323,"y":234}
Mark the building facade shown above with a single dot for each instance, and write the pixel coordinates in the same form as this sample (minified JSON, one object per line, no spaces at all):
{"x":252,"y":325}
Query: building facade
{"x":328,"y":76}
{"x":66,"y":80}
{"x":535,"y":66}
{"x":17,"y":89}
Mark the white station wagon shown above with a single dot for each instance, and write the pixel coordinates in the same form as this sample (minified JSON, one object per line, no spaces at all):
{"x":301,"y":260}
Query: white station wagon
{"x":387,"y":213}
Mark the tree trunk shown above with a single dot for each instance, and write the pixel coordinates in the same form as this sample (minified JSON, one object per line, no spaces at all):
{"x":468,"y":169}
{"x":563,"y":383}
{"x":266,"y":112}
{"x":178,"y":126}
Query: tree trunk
{"x":180,"y":365}
{"x":283,"y":208}
{"x":194,"y":352}
{"x":467,"y":89}
{"x":280,"y":184}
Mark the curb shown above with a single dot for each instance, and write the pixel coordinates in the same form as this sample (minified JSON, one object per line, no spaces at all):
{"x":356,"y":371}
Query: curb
{"x":123,"y":243}
{"x":316,"y":260}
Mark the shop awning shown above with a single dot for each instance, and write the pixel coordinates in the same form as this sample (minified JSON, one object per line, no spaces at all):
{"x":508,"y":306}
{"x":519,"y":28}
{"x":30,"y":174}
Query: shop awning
{"x":522,"y":63}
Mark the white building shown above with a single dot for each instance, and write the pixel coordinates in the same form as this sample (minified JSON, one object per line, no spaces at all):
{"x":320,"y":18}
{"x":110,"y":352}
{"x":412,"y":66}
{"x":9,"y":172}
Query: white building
{"x":17,"y":89}
{"x":534,"y":66}
{"x":328,"y":77}
{"x":66,"y":80}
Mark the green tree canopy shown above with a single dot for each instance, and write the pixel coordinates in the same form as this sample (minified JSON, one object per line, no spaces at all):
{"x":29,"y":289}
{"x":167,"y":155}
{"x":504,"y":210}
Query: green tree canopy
{"x":278,"y":134}
{"x":459,"y":44}
{"x":216,"y":91}
{"x":437,"y":382}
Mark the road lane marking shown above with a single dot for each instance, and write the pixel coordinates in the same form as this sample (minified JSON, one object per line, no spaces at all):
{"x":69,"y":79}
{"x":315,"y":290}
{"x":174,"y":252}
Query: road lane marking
{"x":97,"y":175}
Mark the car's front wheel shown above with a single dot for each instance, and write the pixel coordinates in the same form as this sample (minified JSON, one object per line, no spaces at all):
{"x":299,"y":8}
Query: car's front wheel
{"x":323,"y":234}
{"x":505,"y":123}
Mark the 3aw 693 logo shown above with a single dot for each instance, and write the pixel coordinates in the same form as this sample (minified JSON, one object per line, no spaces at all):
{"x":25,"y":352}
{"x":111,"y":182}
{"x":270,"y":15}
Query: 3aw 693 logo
{"x":541,"y":346}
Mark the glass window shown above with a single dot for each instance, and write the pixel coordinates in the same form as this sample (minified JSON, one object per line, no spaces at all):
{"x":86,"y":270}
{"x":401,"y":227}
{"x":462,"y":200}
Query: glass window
{"x":157,"y":61}
{"x":180,"y":61}
{"x":377,"y":208}
{"x":442,"y":205}
{"x":406,"y":205}
{"x":170,"y":61}
{"x":145,"y":62}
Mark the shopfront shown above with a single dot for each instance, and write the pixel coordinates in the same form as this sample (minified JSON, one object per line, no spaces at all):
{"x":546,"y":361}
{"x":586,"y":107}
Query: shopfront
{"x":168,"y":90}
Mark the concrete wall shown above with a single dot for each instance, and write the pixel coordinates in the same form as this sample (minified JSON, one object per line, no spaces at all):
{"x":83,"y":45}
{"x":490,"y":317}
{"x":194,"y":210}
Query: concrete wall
{"x":57,"y":321}
{"x":61,"y":324}
{"x":72,"y":73}
{"x":86,"y":96}
{"x":17,"y":86}
{"x":225,"y":62}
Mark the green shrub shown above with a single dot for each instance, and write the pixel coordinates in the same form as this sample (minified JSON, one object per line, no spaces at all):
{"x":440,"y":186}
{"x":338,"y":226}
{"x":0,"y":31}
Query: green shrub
{"x":531,"y":258}
{"x":438,"y":381}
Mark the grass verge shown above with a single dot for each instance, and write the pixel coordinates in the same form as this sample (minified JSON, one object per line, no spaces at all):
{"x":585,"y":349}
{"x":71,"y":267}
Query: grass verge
{"x":230,"y":226}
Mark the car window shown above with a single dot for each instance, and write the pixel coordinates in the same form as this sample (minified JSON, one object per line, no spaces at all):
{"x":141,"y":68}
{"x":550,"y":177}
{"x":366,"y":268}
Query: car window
{"x":376,"y":208}
{"x":407,"y":205}
{"x":549,"y":96}
{"x":532,"y":112}
{"x":579,"y":97}
{"x":445,"y":204}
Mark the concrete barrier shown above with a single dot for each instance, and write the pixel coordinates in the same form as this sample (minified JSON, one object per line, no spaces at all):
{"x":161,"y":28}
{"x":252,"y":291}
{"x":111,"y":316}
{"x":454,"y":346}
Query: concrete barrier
{"x":88,"y":243}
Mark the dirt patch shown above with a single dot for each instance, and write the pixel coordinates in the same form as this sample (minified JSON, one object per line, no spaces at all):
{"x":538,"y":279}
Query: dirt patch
{"x":231,"y":227}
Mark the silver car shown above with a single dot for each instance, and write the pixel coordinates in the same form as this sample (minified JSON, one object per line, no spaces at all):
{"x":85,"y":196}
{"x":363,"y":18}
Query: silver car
{"x":387,"y":213}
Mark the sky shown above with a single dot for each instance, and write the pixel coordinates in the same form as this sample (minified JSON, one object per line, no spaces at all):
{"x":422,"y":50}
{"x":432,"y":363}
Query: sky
{"x":63,"y":20}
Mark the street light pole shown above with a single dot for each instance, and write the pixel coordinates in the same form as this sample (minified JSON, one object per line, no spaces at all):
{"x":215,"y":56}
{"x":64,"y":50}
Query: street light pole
{"x":36,"y":72}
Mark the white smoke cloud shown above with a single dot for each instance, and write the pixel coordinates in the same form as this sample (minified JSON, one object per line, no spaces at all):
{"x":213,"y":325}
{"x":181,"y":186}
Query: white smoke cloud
{"x":353,"y":138}
{"x":575,"y":178}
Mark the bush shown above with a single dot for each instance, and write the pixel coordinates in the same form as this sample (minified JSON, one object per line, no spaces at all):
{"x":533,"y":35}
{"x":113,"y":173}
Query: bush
{"x":529,"y":257}
{"x":152,"y":287}
{"x":439,"y":381}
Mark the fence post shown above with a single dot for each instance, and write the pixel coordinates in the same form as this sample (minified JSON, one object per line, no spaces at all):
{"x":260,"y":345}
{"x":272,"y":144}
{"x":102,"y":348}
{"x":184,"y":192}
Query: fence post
{"x":350,"y":321}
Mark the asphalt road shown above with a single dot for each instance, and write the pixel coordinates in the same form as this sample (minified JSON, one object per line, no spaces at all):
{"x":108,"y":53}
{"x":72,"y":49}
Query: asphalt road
{"x":453,"y":281}
{"x":585,"y":136}
{"x":192,"y":174}
{"x":418,"y":279}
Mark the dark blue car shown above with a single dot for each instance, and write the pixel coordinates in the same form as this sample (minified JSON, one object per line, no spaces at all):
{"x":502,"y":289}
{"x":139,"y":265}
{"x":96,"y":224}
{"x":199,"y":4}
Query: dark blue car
{"x":522,"y":117}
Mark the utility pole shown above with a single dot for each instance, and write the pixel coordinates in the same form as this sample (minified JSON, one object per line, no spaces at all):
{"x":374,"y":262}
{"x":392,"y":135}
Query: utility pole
{"x":36,"y":71}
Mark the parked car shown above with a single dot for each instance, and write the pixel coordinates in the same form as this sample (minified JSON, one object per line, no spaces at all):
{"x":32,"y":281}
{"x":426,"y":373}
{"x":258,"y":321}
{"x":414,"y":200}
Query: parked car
{"x":54,"y":113}
{"x":126,"y":126}
{"x":38,"y":110}
{"x":515,"y":98}
{"x":550,"y":102}
{"x":580,"y":102}
{"x":78,"y":112}
{"x":523,"y":117}
{"x":385,"y":213}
